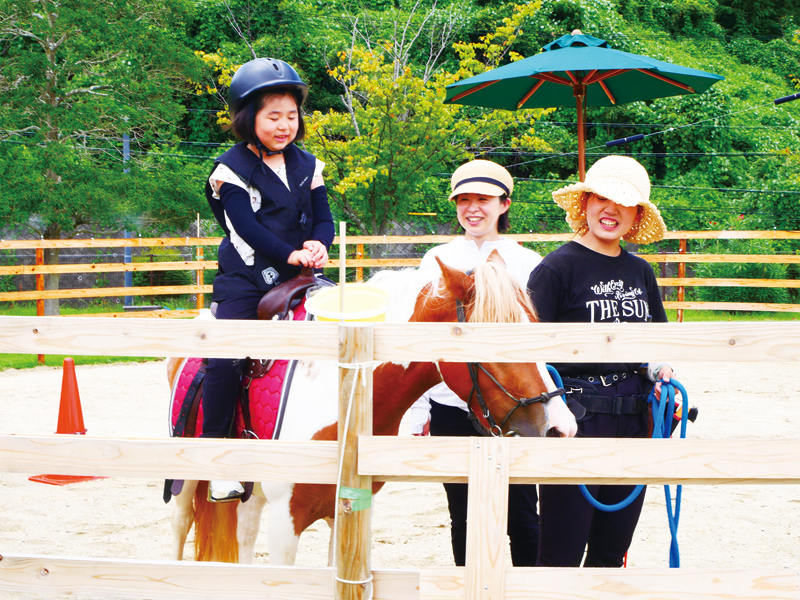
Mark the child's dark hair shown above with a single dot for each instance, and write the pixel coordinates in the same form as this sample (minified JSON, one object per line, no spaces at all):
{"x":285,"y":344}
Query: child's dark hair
{"x":243,"y":121}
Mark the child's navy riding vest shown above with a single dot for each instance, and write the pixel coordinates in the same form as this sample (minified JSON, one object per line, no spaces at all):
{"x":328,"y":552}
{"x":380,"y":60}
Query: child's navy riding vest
{"x":284,"y":212}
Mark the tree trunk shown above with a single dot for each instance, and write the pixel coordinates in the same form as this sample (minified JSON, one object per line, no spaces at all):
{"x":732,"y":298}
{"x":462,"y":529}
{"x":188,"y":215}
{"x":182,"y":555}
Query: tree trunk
{"x":51,"y":282}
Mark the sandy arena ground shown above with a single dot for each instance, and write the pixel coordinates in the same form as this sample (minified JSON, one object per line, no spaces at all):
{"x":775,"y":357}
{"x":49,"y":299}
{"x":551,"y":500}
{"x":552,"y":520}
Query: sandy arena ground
{"x":743,"y":526}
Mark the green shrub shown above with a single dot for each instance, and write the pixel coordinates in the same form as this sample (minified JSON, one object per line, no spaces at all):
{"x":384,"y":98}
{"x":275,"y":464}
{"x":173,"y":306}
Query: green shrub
{"x":743,"y":271}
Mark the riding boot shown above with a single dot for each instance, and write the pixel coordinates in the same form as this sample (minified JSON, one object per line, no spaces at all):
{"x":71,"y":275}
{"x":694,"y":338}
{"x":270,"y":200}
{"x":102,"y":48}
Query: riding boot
{"x":220,"y":389}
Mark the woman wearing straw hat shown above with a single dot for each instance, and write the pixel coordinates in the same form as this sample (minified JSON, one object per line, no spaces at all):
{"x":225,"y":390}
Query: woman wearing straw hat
{"x":481,"y":192}
{"x":592,"y":279}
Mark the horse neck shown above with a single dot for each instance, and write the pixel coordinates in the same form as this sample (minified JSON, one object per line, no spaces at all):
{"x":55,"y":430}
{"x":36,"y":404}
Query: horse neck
{"x":395,"y":388}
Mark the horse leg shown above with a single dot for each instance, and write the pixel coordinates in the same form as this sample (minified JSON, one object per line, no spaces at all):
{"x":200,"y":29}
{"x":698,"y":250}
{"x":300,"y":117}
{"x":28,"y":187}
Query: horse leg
{"x":182,"y":518}
{"x":249,"y":522}
{"x":281,"y":537}
{"x":331,"y":543}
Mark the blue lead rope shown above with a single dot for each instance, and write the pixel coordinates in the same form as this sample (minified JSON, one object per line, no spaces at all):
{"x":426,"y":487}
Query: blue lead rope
{"x":662,"y":429}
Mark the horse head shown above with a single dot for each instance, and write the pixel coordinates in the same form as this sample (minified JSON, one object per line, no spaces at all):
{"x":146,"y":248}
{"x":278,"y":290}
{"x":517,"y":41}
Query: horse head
{"x":506,"y":398}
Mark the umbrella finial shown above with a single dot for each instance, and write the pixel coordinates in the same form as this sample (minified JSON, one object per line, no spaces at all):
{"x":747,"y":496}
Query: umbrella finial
{"x":576,"y":32}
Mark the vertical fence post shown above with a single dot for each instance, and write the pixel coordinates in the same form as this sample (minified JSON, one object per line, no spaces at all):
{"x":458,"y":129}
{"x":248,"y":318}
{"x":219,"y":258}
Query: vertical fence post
{"x":352,"y":564}
{"x":200,"y":279}
{"x":40,"y":288}
{"x":128,"y":275}
{"x":360,"y":255}
{"x":200,"y":273}
{"x":684,"y":244}
{"x":487,"y":515}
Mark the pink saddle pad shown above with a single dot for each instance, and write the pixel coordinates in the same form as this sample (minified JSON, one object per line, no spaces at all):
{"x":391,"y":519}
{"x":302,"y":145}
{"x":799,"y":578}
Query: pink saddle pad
{"x":266,"y":395}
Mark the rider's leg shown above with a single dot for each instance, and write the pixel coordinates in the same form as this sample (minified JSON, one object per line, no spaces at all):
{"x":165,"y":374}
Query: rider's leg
{"x":221,"y":388}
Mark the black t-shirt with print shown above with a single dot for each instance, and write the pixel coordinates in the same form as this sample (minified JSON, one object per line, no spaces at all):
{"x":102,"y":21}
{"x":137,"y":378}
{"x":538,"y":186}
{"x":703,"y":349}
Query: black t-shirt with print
{"x":574,"y":284}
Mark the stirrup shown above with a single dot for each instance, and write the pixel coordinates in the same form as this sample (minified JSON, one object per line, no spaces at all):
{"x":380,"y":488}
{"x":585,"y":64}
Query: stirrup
{"x":230,"y":492}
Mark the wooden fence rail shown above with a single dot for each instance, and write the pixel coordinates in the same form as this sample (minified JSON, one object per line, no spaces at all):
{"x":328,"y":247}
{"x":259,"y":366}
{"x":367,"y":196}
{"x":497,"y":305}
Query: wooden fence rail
{"x":488,"y":464}
{"x":358,"y":243}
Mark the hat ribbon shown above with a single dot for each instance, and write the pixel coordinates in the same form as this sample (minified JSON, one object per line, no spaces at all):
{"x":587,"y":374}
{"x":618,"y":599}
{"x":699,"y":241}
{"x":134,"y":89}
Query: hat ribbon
{"x":499,"y":184}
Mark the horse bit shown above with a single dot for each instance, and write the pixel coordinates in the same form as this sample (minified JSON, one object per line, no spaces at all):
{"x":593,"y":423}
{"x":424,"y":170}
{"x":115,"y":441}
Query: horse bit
{"x":494,"y":429}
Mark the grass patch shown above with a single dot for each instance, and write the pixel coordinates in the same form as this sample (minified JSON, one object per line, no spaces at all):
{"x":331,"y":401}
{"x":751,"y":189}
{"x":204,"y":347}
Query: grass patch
{"x":718,"y":315}
{"x":28,"y":361}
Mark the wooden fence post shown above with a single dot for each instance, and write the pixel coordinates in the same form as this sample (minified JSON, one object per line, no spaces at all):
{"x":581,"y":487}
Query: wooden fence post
{"x":683,"y":245}
{"x":40,"y":288}
{"x":359,"y":255}
{"x":200,"y":279}
{"x":352,"y":564}
{"x":487,"y":518}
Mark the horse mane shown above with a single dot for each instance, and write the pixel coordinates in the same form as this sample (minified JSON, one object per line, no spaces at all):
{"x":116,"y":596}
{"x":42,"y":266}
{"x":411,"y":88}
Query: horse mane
{"x":499,"y":298}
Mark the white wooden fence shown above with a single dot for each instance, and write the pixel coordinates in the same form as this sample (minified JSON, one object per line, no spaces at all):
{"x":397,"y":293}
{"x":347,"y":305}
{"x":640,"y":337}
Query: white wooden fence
{"x":436,"y":459}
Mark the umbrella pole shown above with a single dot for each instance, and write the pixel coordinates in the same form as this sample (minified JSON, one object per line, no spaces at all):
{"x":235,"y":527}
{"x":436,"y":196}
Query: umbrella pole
{"x":581,"y":135}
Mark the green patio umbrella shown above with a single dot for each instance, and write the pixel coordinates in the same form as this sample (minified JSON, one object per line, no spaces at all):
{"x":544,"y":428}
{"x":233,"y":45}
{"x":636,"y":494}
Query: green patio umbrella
{"x":578,"y":70}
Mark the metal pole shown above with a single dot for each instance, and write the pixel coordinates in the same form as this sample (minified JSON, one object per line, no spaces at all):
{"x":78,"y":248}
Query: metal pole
{"x":128,"y":256}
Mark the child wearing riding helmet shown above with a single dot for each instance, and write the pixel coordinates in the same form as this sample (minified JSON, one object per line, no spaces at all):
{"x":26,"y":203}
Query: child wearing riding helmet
{"x":269,"y":197}
{"x":592,"y":279}
{"x":481,"y":192}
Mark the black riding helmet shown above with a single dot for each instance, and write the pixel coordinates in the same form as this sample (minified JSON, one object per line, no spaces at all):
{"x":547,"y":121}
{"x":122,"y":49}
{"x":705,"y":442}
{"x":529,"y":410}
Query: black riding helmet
{"x":261,"y":74}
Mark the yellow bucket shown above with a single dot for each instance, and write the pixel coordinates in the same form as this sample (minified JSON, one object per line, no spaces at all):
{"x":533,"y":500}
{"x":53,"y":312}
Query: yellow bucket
{"x":362,"y":302}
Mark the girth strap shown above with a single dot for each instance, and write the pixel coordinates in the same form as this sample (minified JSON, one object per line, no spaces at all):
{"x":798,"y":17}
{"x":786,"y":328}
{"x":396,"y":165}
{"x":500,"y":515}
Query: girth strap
{"x":184,"y":427}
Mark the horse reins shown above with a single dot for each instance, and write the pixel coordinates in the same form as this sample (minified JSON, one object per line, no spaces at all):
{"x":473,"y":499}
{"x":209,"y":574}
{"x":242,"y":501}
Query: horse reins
{"x":494,"y":429}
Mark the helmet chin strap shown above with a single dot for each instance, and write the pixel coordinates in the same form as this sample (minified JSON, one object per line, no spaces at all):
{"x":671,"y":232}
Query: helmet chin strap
{"x":262,"y":151}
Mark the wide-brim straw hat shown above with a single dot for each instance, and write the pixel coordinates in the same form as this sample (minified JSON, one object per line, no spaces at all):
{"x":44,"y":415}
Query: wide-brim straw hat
{"x":622,"y":180}
{"x":481,"y":177}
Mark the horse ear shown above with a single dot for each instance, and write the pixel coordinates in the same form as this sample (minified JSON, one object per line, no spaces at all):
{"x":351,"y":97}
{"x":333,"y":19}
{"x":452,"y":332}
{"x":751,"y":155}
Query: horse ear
{"x":458,"y":282}
{"x":496,"y":258}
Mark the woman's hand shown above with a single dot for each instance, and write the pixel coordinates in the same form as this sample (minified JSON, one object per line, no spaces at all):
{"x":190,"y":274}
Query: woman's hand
{"x":664,"y":374}
{"x":319,"y":253}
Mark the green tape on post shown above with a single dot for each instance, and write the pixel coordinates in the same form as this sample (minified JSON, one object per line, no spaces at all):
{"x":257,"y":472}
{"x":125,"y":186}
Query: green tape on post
{"x":361,"y":499}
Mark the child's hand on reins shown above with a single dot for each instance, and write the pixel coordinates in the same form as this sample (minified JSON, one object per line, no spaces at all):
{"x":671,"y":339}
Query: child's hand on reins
{"x":319,"y":253}
{"x":301,"y":258}
{"x":664,"y":374}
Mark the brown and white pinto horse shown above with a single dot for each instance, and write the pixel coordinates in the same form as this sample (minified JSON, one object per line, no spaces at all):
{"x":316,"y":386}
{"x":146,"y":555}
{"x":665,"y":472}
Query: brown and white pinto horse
{"x":515,"y":394}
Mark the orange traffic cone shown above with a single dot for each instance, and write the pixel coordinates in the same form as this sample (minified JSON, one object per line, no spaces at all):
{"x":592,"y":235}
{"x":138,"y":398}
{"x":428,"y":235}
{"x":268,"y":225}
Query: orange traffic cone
{"x":70,"y":421}
{"x":70,"y":415}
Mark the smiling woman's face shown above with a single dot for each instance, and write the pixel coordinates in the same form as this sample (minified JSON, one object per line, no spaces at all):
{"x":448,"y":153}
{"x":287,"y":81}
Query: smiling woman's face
{"x":478,"y":214}
{"x":607,"y":222}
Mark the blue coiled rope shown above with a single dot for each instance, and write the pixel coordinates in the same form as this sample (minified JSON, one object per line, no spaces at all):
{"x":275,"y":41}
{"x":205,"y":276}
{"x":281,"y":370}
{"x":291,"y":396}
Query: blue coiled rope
{"x":662,"y":429}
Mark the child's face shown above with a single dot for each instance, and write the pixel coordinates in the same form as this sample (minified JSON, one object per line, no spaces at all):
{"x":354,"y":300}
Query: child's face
{"x":478,"y":214}
{"x":607,"y":220}
{"x":277,"y":121}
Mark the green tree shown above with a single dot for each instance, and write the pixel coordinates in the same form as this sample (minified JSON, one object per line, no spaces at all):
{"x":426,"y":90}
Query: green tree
{"x":75,"y":77}
{"x":395,"y":131}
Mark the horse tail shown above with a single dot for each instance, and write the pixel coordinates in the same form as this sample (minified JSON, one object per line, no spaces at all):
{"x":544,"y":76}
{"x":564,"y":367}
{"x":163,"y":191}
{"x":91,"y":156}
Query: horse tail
{"x":214,"y":528}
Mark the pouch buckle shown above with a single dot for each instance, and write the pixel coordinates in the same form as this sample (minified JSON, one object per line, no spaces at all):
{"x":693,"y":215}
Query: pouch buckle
{"x":616,"y":405}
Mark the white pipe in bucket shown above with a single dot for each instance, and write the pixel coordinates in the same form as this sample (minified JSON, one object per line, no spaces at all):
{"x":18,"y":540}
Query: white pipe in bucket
{"x":342,"y":257}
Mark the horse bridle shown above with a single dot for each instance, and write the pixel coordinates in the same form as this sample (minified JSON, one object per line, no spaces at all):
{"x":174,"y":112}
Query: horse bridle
{"x":494,"y":429}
